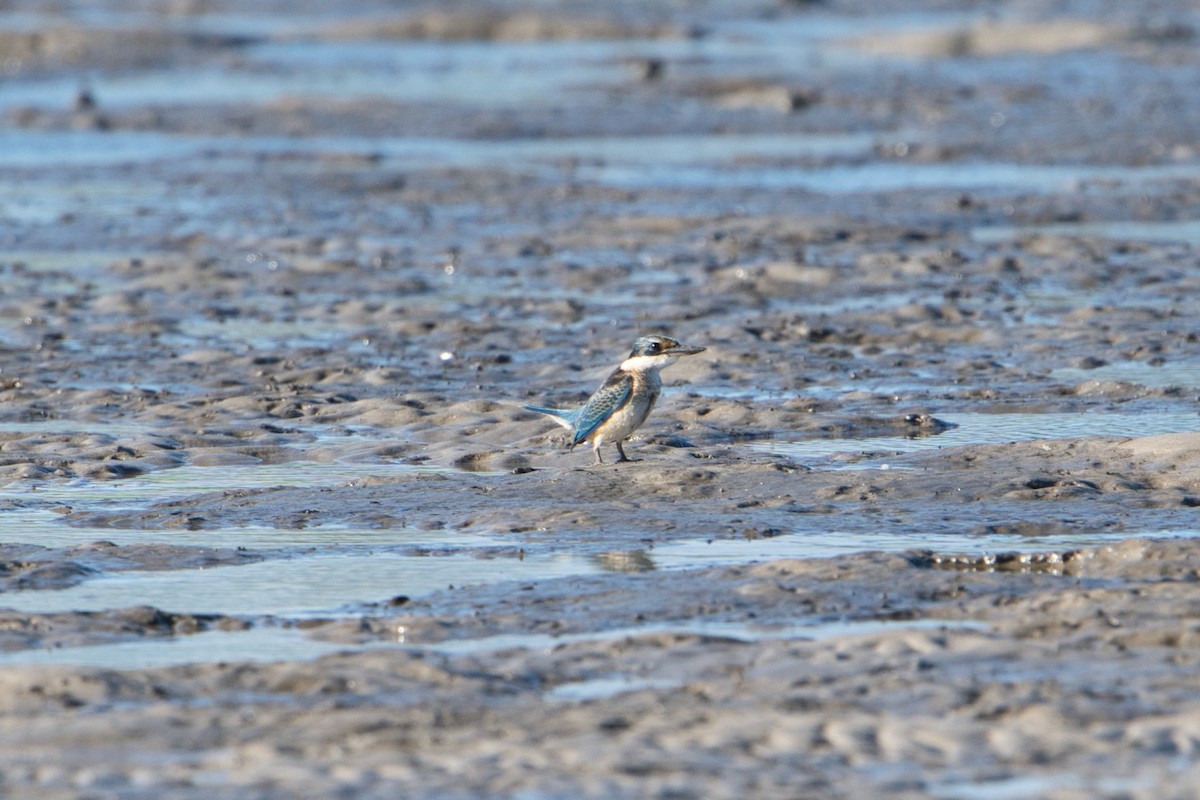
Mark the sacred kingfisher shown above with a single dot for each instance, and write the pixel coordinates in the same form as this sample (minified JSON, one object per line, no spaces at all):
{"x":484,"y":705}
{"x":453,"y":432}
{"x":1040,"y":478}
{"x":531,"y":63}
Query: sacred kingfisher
{"x":623,"y":402}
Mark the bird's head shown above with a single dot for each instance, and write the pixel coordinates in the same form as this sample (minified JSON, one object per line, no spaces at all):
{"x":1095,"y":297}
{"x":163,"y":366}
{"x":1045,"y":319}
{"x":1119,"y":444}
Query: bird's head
{"x":656,"y":351}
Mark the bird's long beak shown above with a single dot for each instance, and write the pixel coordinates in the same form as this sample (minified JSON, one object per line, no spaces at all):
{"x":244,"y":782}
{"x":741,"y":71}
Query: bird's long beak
{"x":684,"y":350}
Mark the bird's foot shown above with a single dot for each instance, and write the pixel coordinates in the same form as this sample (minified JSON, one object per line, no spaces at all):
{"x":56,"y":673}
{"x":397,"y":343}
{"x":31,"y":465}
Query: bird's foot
{"x":622,"y":458}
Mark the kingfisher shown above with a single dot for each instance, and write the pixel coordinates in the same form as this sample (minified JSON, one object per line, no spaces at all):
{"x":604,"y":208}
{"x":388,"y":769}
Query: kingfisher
{"x":623,"y":401}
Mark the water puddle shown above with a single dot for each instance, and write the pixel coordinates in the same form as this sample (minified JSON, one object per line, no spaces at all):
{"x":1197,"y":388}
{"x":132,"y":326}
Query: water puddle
{"x":296,"y":588}
{"x":47,"y":148}
{"x":737,"y":631}
{"x":333,"y":571}
{"x":536,"y":74}
{"x":63,"y":427}
{"x":609,"y":686}
{"x":1185,"y":231}
{"x":974,"y":428}
{"x":1172,"y":373}
{"x":701,"y":553}
{"x":695,"y":161}
{"x":886,"y":176}
{"x":77,"y":263}
{"x":1020,"y":787}
{"x":330,"y":571}
{"x":46,"y":201}
{"x":33,"y":149}
{"x":168,"y":484}
{"x":267,"y":643}
{"x":260,"y":644}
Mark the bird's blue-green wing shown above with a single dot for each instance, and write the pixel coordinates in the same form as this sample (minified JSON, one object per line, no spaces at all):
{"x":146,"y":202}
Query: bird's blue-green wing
{"x":603,"y":404}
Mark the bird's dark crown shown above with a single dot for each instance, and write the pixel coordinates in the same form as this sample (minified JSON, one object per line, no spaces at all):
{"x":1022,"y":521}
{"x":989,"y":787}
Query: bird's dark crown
{"x":652,"y":345}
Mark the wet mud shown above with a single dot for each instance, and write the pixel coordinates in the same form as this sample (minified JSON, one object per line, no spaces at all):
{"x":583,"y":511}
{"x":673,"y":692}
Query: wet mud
{"x":919,"y":522}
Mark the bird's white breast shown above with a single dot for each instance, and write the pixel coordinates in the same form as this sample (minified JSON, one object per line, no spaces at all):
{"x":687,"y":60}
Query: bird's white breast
{"x":646,"y":387}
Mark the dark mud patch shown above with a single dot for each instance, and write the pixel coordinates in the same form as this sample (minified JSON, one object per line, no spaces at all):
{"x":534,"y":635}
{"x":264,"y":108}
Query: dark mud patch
{"x":87,"y":628}
{"x":69,"y":47}
{"x":496,"y":26}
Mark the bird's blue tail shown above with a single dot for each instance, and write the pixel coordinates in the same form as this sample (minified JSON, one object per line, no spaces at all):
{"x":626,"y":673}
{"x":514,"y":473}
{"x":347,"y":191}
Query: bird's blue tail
{"x":563,"y":416}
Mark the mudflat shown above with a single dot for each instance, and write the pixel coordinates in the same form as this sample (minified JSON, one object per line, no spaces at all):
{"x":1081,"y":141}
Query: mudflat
{"x":919,"y":522}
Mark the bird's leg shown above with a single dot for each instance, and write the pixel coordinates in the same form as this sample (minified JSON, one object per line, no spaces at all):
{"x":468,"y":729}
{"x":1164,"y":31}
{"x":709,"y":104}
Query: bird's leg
{"x":596,"y":450}
{"x":623,"y":457}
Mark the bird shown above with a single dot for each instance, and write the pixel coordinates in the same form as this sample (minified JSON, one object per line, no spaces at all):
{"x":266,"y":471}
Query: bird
{"x":623,"y":401}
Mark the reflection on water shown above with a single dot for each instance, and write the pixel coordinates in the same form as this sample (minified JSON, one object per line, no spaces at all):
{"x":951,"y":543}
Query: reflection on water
{"x":625,"y":561}
{"x":22,"y":148}
{"x":43,"y":148}
{"x":349,"y":568}
{"x":344,"y":569}
{"x":1171,"y":373}
{"x":296,"y":587}
{"x":1187,"y":231}
{"x":535,"y":73}
{"x":671,"y":161}
{"x":883,"y":176}
{"x":272,"y":643}
{"x":331,"y":568}
{"x":169,"y":484}
{"x":975,"y":428}
{"x":254,"y":644}
{"x":1020,"y":787}
{"x":700,"y":553}
{"x":608,"y":686}
{"x":738,"y":631}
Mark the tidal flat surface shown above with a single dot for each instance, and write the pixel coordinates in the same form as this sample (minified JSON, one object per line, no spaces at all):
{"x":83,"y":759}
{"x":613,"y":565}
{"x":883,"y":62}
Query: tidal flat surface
{"x":920,"y":521}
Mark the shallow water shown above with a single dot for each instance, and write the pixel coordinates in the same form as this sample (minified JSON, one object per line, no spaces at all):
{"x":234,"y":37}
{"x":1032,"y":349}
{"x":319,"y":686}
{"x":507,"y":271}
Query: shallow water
{"x":279,"y":643}
{"x":689,"y":226}
{"x":692,"y":161}
{"x":1187,"y":231}
{"x":977,"y":428}
{"x":24,"y":148}
{"x":168,"y":484}
{"x":1172,"y":373}
{"x":417,"y":72}
{"x":299,"y":587}
{"x":334,"y":570}
{"x":1025,"y":786}
{"x":21,"y":148}
{"x":740,"y":631}
{"x":882,"y":176}
{"x":825,"y":544}
{"x":536,"y":73}
{"x":261,"y":643}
